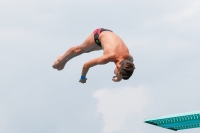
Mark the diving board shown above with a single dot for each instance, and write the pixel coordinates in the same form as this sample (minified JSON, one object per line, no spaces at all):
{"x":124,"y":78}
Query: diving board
{"x":177,"y":122}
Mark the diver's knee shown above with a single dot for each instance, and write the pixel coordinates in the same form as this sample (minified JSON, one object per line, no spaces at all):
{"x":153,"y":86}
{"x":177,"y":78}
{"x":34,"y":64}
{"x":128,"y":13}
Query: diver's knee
{"x":77,"y":50}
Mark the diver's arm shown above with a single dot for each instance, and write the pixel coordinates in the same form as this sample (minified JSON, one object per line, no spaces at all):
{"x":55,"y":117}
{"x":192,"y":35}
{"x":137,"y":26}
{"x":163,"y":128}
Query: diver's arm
{"x":97,"y":61}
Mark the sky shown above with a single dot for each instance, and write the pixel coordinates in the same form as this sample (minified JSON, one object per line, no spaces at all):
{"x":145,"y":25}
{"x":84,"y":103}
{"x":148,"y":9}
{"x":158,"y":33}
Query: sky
{"x":162,"y":36}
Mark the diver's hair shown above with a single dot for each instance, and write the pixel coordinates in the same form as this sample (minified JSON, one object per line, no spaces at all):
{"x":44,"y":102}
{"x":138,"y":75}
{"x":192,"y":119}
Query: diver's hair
{"x":126,"y":69}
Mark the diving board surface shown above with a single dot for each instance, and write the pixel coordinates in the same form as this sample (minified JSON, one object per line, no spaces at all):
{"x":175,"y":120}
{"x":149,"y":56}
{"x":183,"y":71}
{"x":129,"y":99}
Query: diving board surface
{"x":177,"y":122}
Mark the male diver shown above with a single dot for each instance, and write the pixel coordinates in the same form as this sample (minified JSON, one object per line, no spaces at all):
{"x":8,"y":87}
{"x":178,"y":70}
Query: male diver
{"x":115,"y":51}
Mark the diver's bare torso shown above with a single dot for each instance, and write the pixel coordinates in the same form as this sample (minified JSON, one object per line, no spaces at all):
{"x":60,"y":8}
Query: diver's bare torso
{"x":114,"y":46}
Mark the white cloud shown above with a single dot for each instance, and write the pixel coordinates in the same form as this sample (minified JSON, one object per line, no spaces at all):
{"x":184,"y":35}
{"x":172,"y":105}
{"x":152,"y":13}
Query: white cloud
{"x":120,"y":105}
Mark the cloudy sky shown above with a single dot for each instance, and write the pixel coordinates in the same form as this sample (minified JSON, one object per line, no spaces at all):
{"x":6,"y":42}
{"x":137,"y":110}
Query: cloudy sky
{"x":162,"y":36}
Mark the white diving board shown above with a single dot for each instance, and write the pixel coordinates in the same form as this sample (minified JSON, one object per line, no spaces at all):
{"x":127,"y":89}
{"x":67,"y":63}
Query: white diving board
{"x":177,"y":122}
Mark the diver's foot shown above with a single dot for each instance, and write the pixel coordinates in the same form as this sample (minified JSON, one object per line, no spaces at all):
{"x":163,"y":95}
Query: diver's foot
{"x":58,"y":63}
{"x":62,"y":66}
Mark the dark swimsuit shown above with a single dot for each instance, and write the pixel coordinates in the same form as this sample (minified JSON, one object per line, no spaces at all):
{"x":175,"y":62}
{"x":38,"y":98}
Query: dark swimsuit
{"x":97,"y":33}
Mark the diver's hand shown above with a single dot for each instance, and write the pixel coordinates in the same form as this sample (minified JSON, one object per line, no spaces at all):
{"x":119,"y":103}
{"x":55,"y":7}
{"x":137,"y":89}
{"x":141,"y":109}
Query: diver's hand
{"x":116,"y":79}
{"x":83,"y":80}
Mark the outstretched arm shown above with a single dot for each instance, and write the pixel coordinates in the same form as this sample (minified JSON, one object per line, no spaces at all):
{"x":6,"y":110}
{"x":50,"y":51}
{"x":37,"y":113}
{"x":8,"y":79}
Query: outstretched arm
{"x":97,"y":61}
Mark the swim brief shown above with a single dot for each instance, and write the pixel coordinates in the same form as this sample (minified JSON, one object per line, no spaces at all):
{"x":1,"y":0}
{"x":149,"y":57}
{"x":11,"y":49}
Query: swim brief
{"x":97,"y":33}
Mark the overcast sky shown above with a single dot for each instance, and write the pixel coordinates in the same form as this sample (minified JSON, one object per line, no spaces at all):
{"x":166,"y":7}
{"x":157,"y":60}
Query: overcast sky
{"x":162,"y":36}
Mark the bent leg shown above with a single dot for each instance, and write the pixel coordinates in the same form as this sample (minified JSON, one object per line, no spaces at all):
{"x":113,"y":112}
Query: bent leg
{"x":86,"y":46}
{"x":94,"y":49}
{"x":64,"y":63}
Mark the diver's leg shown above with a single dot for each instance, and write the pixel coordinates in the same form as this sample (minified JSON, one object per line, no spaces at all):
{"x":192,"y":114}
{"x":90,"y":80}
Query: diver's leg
{"x":94,"y":49}
{"x":87,"y":45}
